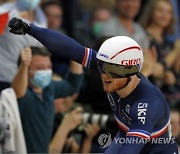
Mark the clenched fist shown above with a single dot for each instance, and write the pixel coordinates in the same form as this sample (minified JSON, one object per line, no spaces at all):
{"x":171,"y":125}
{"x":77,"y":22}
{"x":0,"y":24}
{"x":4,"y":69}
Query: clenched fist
{"x":26,"y":56}
{"x":18,"y":26}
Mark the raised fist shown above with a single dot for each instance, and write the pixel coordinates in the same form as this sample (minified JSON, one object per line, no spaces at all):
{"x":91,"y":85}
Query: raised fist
{"x":17,"y":26}
{"x":26,"y":56}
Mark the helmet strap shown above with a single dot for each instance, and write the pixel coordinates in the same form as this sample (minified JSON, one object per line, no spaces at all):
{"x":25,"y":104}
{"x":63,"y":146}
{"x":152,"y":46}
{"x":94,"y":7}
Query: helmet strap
{"x":138,"y":75}
{"x":128,"y":80}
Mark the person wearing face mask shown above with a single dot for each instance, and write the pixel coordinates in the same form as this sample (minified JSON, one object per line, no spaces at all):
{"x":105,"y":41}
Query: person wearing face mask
{"x":36,"y":94}
{"x":100,"y":16}
{"x":10,"y":46}
{"x":30,"y":10}
{"x":27,"y":4}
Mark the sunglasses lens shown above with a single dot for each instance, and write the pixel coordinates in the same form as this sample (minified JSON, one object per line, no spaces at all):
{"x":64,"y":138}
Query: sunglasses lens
{"x":116,"y":70}
{"x":100,"y":66}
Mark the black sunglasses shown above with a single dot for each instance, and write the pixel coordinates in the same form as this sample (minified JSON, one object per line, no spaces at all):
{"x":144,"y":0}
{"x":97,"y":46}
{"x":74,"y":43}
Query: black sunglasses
{"x":116,"y":70}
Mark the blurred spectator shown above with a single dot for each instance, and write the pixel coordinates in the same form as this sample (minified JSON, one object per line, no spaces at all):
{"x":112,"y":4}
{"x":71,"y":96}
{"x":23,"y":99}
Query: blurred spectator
{"x":158,"y":20}
{"x":172,"y":61}
{"x":89,"y":12}
{"x":99,"y":16}
{"x":123,"y":23}
{"x":11,"y":132}
{"x":11,"y":46}
{"x":69,"y":122}
{"x":75,"y":146}
{"x":175,"y":125}
{"x":54,"y":14}
{"x":67,"y":140}
{"x":89,"y":31}
{"x":31,"y":12}
{"x":36,"y":93}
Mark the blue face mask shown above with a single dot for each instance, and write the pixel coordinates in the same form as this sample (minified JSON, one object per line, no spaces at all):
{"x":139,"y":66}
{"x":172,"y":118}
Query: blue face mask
{"x":28,"y":4}
{"x":42,"y":78}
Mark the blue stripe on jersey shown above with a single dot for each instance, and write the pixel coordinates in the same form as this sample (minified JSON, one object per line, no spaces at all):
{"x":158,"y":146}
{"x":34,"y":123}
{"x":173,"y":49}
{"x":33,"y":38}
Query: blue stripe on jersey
{"x":89,"y":58}
{"x":141,"y":131}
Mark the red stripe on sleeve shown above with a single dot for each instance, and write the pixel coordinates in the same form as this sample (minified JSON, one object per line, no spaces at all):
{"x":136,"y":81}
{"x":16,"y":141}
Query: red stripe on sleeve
{"x":85,"y":56}
{"x":138,"y":135}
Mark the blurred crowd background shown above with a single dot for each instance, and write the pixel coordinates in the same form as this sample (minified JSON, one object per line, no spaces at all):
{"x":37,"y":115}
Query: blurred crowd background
{"x":154,"y":24}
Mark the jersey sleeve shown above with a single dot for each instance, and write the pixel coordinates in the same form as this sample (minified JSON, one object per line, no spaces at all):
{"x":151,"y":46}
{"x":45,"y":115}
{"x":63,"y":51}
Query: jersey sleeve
{"x":63,"y":45}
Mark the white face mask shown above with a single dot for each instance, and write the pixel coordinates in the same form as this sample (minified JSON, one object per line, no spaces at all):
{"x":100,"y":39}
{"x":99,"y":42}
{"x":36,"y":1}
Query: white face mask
{"x":28,"y":4}
{"x":42,"y":78}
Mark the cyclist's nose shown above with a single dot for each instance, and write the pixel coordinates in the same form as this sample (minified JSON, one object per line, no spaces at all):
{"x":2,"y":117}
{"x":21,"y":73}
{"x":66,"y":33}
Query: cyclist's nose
{"x":105,"y":76}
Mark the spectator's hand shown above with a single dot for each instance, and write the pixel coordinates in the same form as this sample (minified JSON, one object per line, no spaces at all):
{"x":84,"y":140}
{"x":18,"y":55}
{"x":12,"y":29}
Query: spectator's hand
{"x":72,"y":119}
{"x":169,"y":78}
{"x":150,"y":58}
{"x":73,"y":145}
{"x":177,"y":46}
{"x":26,"y":56}
{"x":91,"y":130}
{"x":17,"y":26}
{"x":158,"y":70}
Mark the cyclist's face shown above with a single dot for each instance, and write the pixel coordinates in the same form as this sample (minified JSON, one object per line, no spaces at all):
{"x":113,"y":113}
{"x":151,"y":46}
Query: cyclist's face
{"x":112,"y":84}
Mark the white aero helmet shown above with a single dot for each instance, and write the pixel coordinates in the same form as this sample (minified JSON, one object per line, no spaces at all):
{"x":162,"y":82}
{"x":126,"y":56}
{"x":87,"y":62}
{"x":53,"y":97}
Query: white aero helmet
{"x":120,"y":57}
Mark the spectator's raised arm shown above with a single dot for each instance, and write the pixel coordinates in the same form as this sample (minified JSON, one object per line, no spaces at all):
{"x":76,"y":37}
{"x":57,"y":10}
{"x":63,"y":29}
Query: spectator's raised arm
{"x":20,"y":82}
{"x":71,"y":83}
{"x":70,"y":121}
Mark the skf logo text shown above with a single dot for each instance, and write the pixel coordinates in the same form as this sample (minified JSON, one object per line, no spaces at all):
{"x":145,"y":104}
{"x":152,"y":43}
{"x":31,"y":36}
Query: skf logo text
{"x":142,"y":108}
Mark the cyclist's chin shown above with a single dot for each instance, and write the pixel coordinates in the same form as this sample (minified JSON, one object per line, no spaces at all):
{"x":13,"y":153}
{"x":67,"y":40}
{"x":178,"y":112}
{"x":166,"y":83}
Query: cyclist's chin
{"x":113,"y":87}
{"x":109,"y":88}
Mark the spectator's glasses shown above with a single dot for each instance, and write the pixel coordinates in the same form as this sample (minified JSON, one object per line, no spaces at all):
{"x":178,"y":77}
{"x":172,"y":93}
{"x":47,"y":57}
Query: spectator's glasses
{"x":116,"y":70}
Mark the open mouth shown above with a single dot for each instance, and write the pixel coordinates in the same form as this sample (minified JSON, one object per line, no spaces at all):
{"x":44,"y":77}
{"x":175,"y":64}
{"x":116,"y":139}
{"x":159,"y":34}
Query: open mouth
{"x":107,"y":81}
